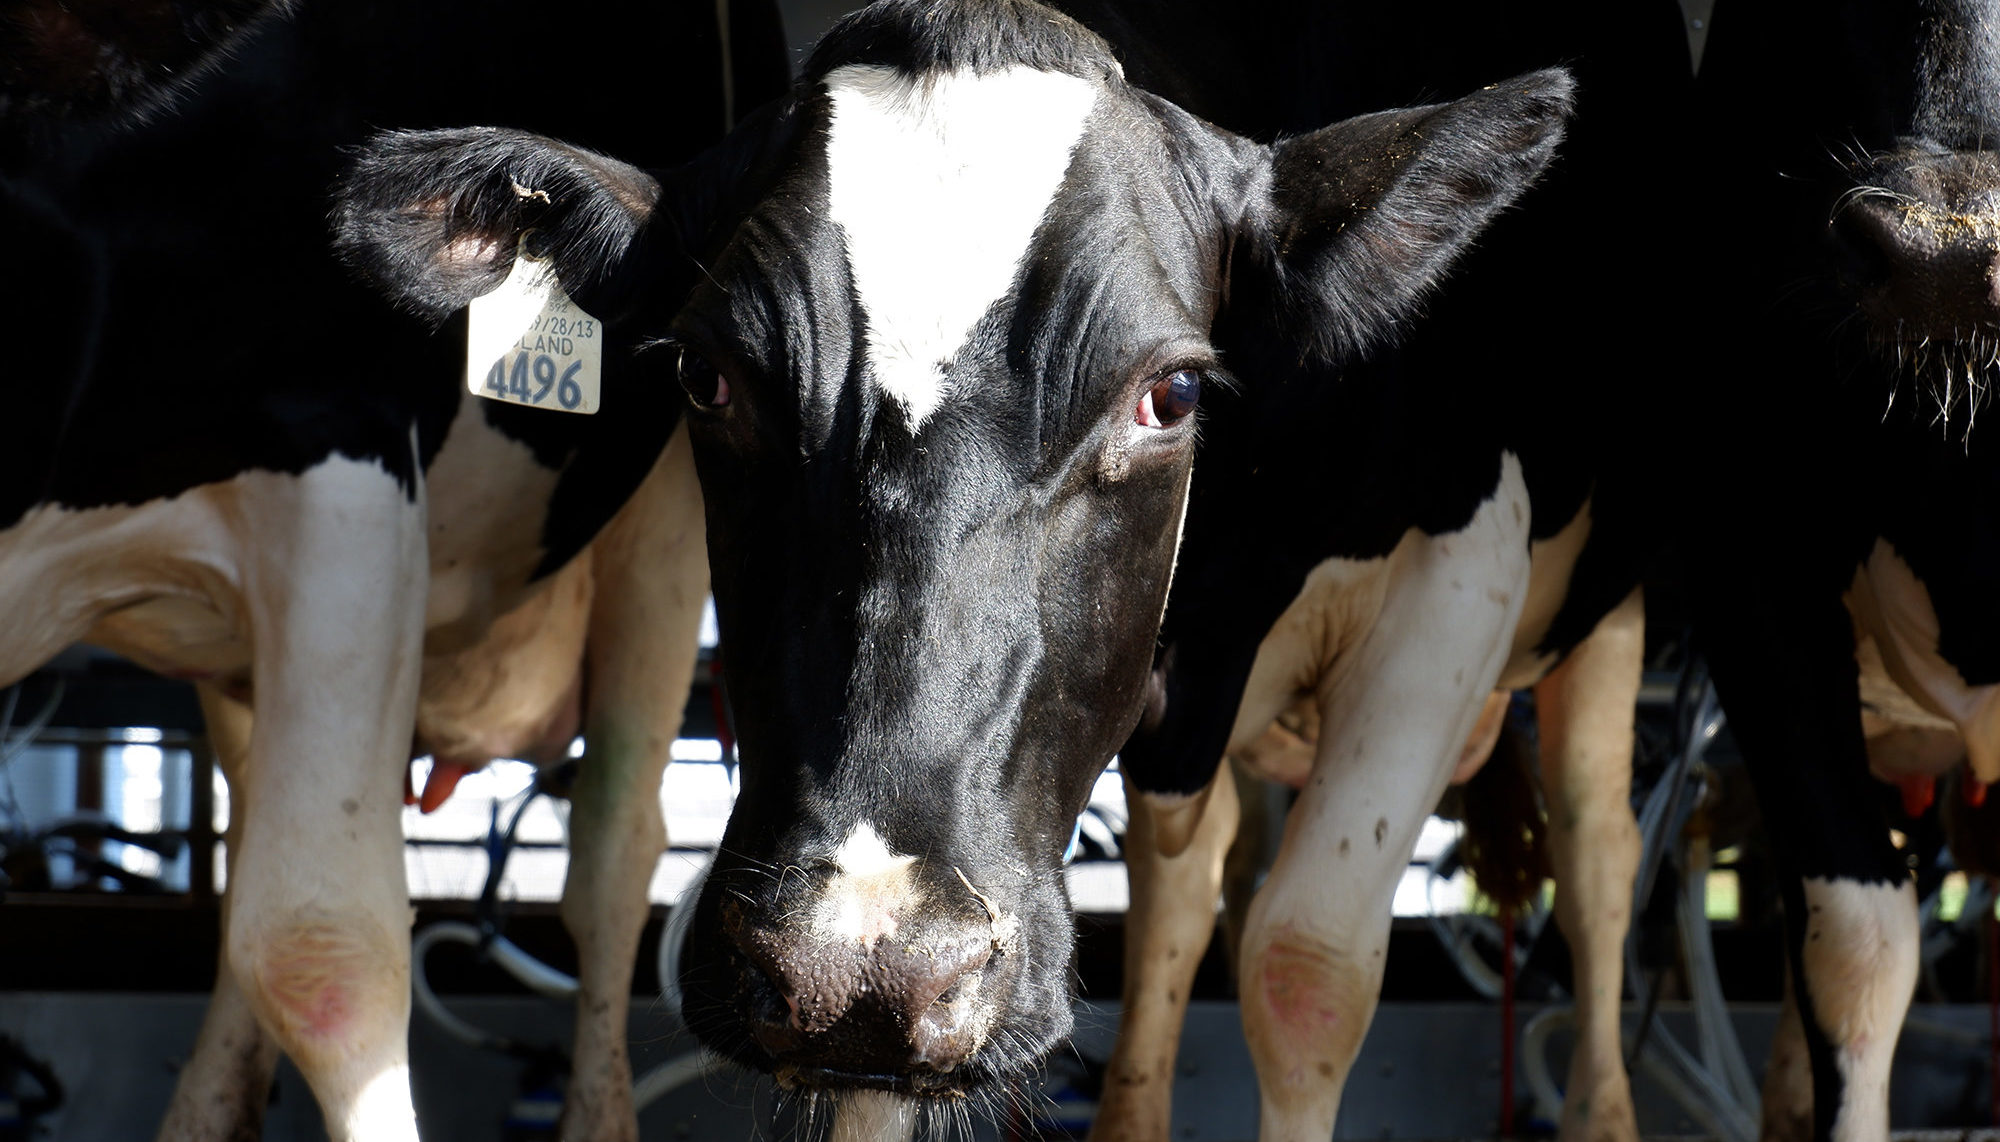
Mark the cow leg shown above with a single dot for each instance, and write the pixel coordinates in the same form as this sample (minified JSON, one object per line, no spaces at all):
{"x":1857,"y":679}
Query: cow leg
{"x":1585,"y":710}
{"x":333,"y":585}
{"x":1787,"y":1095}
{"x":651,"y":568}
{"x":1783,"y":660}
{"x":1859,"y":952}
{"x":1395,"y":715}
{"x":223,"y":1089}
{"x":1167,"y":928}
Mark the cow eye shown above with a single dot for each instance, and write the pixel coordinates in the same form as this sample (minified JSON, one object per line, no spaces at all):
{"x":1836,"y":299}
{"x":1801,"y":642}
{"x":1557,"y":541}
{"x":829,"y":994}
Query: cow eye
{"x":705,"y":385}
{"x":1170,"y":399}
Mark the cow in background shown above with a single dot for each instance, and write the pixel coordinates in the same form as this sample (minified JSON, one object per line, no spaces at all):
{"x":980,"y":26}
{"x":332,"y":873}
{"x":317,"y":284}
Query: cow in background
{"x":1851,"y":455}
{"x":1387,"y":543}
{"x":231,"y":462}
{"x":623,"y":616}
{"x":112,"y":61}
{"x":944,"y":318}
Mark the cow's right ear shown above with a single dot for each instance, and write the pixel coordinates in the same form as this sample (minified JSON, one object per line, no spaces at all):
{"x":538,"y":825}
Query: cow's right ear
{"x":434,"y":218}
{"x":1347,"y":228}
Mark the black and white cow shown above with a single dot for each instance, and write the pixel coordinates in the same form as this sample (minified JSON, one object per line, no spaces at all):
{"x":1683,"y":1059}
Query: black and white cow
{"x":945,"y":319}
{"x":230,"y":461}
{"x":1385,"y":548}
{"x":1863,"y":222}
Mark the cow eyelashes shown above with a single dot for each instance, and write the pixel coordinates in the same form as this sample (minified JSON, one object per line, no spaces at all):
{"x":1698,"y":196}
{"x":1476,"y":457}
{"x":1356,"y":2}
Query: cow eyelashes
{"x":1169,"y":400}
{"x":705,"y":384}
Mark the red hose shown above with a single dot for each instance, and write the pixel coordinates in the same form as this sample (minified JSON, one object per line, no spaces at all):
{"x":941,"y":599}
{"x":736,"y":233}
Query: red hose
{"x":1507,"y":1022}
{"x":719,"y":706}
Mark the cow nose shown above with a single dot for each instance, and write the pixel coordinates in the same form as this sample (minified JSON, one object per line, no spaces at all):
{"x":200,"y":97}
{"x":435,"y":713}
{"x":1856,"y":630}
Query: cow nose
{"x":1922,"y":270}
{"x":944,"y":1004}
{"x":887,"y":1006}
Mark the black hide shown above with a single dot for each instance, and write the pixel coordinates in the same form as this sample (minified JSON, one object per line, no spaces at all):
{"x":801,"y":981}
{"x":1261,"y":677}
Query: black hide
{"x":1542,"y":346}
{"x":1829,"y":425}
{"x":200,"y":325}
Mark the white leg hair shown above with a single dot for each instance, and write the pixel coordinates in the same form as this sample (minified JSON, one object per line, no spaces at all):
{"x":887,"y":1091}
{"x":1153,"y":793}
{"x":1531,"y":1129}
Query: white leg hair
{"x":334,"y":573}
{"x":1860,"y":967}
{"x":1396,"y":711}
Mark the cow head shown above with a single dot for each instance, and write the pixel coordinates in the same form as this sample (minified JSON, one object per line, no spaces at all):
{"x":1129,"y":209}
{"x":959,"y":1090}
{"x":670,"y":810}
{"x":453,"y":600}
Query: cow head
{"x":943,"y":319}
{"x":1919,"y":217}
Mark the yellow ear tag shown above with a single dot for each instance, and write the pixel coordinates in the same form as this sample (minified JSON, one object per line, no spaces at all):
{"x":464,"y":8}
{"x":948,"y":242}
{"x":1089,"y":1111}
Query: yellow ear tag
{"x":528,"y":343}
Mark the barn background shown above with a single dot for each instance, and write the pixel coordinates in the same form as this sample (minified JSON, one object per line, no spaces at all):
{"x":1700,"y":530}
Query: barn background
{"x":111,"y":811}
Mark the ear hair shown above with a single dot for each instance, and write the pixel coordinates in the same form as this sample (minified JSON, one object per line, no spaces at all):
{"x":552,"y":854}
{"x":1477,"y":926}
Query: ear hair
{"x":432,"y":218}
{"x":1360,"y":219}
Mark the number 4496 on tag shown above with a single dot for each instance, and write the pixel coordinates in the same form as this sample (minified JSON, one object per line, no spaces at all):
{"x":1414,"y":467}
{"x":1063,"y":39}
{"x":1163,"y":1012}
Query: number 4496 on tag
{"x":528,"y":343}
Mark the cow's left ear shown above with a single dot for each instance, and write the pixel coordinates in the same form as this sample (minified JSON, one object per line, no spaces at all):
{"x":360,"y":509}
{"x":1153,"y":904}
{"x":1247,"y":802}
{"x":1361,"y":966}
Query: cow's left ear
{"x":1347,"y":227}
{"x":434,"y":218}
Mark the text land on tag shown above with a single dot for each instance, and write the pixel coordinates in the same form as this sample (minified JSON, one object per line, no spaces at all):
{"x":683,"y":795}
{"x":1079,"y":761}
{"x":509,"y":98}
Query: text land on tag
{"x":527,"y":343}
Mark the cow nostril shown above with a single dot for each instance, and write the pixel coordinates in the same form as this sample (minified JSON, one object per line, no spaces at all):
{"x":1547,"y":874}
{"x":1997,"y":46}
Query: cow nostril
{"x":770,"y":1004}
{"x":1864,"y":233}
{"x":948,"y":1030}
{"x":772,"y":1007}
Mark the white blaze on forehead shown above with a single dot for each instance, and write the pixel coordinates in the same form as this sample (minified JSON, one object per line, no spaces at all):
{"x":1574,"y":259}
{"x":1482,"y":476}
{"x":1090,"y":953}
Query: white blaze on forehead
{"x":939,"y":182}
{"x":871,"y":892}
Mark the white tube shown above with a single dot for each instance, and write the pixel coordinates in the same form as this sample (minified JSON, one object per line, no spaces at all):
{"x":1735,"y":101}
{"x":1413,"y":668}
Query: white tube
{"x":1546,"y":1100}
{"x":1721,"y":1052}
{"x":670,"y":1076}
{"x":1699,"y":1093}
{"x":444,"y":931}
{"x":532,"y":973}
{"x":1700,"y":1098}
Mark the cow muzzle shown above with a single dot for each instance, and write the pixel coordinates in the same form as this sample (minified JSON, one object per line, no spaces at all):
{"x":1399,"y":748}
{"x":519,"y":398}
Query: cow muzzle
{"x":1922,"y":239}
{"x":857,"y":985}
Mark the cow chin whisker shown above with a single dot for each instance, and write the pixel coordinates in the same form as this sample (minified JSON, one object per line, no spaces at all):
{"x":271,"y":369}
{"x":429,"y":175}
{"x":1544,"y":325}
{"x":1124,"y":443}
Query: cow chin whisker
{"x":1952,"y":376}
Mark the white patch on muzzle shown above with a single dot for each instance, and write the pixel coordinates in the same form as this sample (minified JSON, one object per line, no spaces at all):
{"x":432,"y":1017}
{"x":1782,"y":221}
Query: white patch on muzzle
{"x":873,"y":888}
{"x":939,"y":182}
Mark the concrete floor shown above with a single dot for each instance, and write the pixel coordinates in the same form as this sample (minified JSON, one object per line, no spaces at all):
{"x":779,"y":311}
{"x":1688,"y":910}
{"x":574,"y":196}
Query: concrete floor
{"x":1426,"y":1071}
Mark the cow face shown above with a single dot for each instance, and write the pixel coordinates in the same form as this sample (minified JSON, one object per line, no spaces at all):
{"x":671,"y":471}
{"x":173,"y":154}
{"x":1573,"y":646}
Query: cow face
{"x":944,"y":320}
{"x":1920,"y":218}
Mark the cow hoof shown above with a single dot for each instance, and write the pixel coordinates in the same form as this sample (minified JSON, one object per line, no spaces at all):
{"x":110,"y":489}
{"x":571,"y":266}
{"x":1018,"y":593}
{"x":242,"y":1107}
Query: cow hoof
{"x":583,"y":1120}
{"x":1599,"y":1111}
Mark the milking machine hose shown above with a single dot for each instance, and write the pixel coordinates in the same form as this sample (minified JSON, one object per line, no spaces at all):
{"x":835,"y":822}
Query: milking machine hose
{"x":536,"y":975}
{"x":1715,"y":1091}
{"x":531,"y":972}
{"x":13,"y":748}
{"x":1693,"y":1089}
